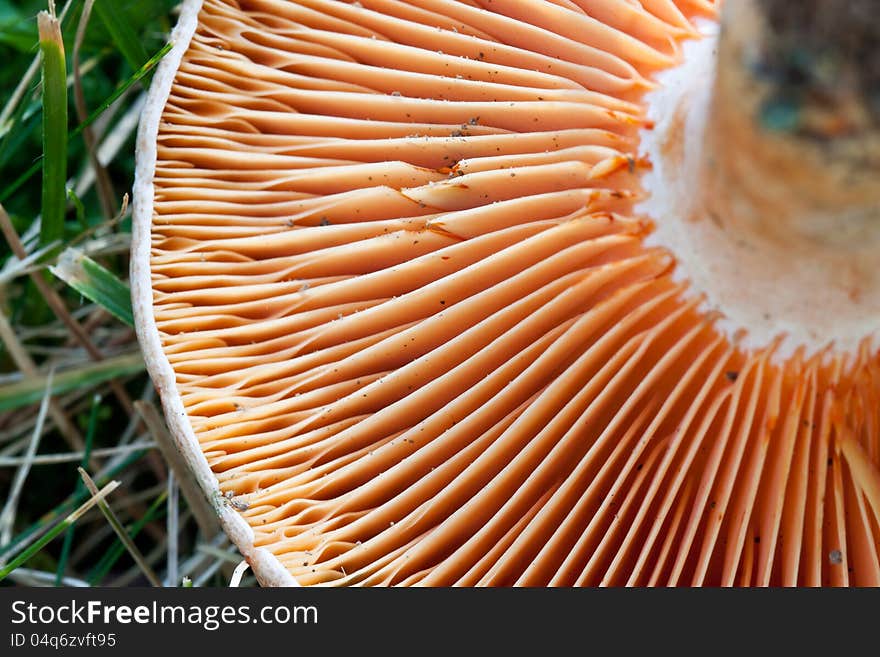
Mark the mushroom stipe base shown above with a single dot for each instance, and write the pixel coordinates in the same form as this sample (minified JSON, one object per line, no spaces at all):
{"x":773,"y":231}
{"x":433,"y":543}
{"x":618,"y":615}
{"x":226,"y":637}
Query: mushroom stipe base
{"x":808,"y":290}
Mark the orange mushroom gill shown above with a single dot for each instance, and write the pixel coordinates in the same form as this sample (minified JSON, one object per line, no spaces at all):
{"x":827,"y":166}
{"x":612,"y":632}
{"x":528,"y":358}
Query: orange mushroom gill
{"x":395,"y":281}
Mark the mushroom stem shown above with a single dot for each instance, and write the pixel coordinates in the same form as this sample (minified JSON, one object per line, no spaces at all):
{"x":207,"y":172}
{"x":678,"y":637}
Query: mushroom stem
{"x":793,"y":138}
{"x":766,"y":176}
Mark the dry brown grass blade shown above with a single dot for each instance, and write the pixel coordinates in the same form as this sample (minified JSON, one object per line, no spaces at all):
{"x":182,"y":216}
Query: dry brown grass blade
{"x":26,"y":365}
{"x":54,"y":301}
{"x":120,"y":532}
{"x":204,"y":515}
{"x":102,"y":178}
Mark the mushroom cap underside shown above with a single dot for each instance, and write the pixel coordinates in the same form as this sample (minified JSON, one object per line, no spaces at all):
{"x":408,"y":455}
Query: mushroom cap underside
{"x":390,"y":284}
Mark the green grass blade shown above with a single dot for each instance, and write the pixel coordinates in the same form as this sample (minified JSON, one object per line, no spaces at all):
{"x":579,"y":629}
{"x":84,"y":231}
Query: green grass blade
{"x":122,"y":88}
{"x":99,"y":110}
{"x":96,"y":283}
{"x":125,"y":38}
{"x":80,"y":210}
{"x":36,"y":529}
{"x":30,"y":390}
{"x":54,"y":69}
{"x":57,"y":529}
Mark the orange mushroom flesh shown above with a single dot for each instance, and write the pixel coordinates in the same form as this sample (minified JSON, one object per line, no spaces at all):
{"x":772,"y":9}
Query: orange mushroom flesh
{"x":392,"y":285}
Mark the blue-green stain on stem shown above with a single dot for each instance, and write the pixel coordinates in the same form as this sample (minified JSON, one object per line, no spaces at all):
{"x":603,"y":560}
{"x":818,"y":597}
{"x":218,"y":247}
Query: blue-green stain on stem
{"x":780,"y":113}
{"x":54,"y":70}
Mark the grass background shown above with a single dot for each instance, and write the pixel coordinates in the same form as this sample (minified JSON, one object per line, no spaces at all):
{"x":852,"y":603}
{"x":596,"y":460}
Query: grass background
{"x":73,"y":391}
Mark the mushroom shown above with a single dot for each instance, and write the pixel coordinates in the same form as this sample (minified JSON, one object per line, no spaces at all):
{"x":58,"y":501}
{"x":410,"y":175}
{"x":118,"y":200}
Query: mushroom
{"x":452,"y":293}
